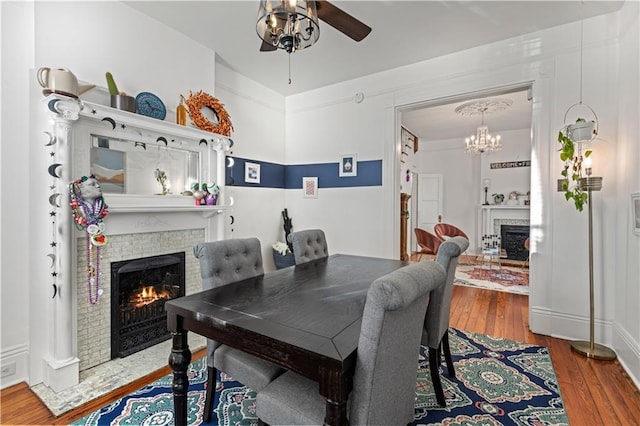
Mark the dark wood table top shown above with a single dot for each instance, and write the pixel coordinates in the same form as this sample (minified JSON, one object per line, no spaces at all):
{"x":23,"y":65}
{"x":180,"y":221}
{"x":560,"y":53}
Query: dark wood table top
{"x":302,"y":318}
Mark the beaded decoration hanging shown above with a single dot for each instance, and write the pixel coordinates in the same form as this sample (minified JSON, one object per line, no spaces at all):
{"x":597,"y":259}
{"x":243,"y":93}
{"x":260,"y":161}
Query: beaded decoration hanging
{"x":88,"y":209}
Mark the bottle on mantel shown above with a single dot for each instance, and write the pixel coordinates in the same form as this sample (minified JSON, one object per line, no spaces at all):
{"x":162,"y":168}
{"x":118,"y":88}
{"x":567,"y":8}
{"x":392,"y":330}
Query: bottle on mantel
{"x":181,"y":113}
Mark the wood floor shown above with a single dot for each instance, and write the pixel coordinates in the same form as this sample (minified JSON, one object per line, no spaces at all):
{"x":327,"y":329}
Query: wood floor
{"x":594,"y":392}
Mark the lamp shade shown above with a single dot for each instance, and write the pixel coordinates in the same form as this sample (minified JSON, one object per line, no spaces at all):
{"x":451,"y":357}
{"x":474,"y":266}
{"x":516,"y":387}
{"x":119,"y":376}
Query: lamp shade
{"x":289,"y":24}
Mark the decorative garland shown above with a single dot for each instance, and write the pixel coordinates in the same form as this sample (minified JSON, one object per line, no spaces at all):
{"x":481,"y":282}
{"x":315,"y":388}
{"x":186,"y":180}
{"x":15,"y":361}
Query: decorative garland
{"x":197,"y":101}
{"x":54,"y":202}
{"x":88,"y":214}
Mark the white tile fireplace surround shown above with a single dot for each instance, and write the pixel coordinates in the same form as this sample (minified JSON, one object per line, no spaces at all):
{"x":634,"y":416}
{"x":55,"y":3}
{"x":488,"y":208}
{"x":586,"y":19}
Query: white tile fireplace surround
{"x":94,"y":321}
{"x":492,"y":217}
{"x":98,"y":373}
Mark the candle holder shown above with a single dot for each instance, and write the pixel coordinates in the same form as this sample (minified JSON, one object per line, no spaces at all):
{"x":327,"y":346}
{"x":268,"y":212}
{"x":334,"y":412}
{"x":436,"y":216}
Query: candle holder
{"x":486,"y":183}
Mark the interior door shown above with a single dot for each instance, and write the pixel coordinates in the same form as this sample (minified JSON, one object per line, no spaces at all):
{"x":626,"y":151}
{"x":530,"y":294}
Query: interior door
{"x":429,"y":201}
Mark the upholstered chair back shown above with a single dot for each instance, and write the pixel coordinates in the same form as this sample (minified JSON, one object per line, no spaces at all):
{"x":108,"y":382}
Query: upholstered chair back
{"x":308,"y":245}
{"x":436,"y":322}
{"x":226,"y":261}
{"x":384,"y":383}
{"x":221,"y":263}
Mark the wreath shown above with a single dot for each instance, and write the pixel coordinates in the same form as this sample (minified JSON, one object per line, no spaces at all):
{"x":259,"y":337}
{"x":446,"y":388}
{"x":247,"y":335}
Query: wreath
{"x":197,"y":101}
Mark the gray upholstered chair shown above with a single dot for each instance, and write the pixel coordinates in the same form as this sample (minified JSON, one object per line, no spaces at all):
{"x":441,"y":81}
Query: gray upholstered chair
{"x":221,"y":263}
{"x":436,"y":323}
{"x":384,"y":382}
{"x":308,"y":245}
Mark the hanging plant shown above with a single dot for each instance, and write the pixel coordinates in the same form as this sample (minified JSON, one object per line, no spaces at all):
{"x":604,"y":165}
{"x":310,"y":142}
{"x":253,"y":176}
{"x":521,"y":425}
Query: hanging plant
{"x":571,"y":155}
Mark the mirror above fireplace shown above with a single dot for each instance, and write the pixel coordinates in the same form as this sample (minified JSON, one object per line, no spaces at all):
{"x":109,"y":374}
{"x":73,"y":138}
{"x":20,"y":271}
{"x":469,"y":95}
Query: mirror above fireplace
{"x":130,"y":154}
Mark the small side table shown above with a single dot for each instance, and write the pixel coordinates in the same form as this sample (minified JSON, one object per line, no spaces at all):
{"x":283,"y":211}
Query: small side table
{"x":491,"y":256}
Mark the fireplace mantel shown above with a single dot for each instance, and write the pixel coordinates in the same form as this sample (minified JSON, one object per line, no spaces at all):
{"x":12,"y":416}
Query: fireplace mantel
{"x":129,"y":213}
{"x":505,"y":207}
{"x":487,"y":215}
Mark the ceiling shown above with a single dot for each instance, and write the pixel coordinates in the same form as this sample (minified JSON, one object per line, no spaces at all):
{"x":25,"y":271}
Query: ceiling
{"x":441,"y":122}
{"x":403,"y":32}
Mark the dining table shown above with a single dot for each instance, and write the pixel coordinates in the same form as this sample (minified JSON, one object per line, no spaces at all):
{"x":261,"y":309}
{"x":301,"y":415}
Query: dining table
{"x":304,"y":318}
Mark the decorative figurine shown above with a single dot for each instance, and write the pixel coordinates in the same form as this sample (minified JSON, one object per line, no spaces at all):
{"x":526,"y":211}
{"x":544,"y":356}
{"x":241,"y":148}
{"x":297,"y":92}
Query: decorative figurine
{"x":89,"y":209}
{"x":205,"y":194}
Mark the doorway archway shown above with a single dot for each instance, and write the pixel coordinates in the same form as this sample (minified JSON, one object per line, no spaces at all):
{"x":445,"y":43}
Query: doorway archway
{"x":449,"y":132}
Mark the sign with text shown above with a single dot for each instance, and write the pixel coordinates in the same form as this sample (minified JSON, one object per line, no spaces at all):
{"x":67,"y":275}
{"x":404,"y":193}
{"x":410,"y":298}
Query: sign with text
{"x":511,"y":164}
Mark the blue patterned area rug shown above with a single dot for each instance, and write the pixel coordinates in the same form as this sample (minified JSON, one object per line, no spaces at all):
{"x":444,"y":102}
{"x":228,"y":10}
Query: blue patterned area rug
{"x":498,"y":382}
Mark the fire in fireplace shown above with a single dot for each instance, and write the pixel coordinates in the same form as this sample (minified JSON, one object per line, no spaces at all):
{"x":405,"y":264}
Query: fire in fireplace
{"x":139,"y":290}
{"x":513,"y":237}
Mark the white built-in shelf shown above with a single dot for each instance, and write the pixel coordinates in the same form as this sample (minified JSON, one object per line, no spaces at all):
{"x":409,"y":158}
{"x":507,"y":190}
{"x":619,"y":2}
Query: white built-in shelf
{"x":207,"y":211}
{"x":99,"y":112}
{"x":134,"y":203}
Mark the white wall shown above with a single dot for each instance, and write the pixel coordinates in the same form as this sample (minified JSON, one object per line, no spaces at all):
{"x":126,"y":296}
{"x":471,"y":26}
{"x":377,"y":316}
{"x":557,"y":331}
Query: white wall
{"x":257,"y":114}
{"x":463,"y":174}
{"x":323,"y":123}
{"x":352,"y":218}
{"x":625,"y":276}
{"x":17,"y":52}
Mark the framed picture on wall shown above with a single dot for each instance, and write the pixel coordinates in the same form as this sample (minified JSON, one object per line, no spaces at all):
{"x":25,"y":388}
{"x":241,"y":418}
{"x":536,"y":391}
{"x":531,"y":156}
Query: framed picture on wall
{"x":251,"y":172}
{"x":348,"y":165}
{"x":635,"y":212}
{"x":310,"y":187}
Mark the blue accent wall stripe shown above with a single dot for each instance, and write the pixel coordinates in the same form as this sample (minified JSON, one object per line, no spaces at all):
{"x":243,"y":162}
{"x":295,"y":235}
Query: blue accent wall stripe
{"x":369,"y":174}
{"x":274,"y":175}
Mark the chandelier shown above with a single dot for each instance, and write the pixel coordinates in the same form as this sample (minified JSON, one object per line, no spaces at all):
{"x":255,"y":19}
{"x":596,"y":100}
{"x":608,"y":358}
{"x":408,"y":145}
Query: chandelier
{"x":483,"y":141}
{"x":288,"y":24}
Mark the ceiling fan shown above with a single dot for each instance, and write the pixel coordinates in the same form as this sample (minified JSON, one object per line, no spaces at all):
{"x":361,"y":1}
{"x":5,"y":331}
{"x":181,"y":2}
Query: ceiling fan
{"x":293,"y":24}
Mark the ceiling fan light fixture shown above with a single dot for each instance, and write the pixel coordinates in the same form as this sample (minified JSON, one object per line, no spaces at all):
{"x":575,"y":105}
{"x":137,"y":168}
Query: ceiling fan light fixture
{"x":290,"y":25}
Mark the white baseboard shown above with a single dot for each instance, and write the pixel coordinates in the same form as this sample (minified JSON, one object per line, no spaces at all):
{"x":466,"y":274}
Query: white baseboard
{"x":15,"y":361}
{"x":574,"y":327}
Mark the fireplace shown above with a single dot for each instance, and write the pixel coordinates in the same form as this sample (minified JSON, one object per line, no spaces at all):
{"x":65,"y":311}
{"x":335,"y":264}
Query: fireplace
{"x":139,"y":290}
{"x":513,"y":237}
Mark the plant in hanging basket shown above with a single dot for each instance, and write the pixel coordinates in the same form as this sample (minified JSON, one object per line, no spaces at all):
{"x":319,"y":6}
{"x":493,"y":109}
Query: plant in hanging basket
{"x":572,"y":156}
{"x":582,"y":131}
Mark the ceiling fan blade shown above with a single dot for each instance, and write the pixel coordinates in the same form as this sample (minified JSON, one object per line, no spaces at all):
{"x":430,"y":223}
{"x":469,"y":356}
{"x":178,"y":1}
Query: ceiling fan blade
{"x":267,"y":47}
{"x":342,"y":21}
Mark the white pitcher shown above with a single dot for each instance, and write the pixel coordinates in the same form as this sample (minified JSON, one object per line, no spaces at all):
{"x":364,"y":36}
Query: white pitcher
{"x":58,"y":80}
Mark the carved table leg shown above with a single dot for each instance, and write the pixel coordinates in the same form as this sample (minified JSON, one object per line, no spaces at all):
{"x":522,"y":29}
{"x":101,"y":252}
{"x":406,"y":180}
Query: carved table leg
{"x":179,"y":362}
{"x":335,"y":413}
{"x":334,"y":385}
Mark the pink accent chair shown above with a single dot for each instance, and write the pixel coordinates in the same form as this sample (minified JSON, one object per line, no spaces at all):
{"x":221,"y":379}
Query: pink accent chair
{"x":445,"y":231}
{"x":428,"y":242}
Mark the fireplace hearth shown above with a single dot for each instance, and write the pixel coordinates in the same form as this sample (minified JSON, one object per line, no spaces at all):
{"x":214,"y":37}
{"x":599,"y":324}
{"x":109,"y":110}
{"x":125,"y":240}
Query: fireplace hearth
{"x":513,"y":237}
{"x":139,"y":290}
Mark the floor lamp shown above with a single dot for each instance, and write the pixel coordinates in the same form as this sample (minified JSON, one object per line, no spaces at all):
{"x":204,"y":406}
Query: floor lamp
{"x":591,"y":349}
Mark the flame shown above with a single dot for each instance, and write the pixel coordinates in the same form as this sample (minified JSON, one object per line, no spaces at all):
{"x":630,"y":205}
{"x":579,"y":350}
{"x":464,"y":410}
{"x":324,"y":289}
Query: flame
{"x":147,"y":295}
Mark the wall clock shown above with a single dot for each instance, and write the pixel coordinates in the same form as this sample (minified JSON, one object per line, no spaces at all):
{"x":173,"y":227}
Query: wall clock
{"x":150,"y":105}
